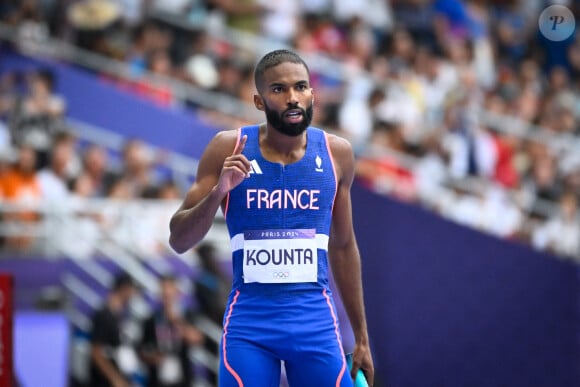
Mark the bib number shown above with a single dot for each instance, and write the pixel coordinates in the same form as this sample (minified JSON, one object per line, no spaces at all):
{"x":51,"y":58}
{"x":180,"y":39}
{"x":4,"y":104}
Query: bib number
{"x":280,"y":256}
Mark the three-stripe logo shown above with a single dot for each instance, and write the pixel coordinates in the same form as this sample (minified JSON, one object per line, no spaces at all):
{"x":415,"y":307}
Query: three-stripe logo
{"x":255,"y":168}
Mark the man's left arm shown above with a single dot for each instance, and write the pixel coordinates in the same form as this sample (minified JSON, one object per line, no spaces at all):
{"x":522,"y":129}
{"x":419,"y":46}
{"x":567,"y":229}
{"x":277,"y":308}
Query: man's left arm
{"x":148,"y":347}
{"x":191,"y":334}
{"x":345,"y":258}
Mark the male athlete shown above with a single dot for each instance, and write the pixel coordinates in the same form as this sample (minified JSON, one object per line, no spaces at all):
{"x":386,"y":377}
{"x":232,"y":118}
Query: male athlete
{"x":284,"y":188}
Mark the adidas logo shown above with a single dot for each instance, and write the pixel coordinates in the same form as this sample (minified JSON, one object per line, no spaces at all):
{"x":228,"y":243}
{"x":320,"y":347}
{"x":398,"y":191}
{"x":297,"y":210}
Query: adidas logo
{"x":255,"y":168}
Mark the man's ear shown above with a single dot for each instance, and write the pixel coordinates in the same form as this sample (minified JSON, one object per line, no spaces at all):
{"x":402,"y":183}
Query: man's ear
{"x":258,"y":102}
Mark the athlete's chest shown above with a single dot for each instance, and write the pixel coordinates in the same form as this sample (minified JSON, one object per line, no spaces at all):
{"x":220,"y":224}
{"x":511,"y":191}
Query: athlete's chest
{"x":306,"y":184}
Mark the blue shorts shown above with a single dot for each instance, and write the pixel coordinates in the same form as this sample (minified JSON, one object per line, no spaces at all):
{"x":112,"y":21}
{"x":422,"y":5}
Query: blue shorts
{"x":297,"y":327}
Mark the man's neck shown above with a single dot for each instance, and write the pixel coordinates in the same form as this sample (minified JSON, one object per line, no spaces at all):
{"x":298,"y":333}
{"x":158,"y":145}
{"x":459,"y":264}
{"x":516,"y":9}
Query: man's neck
{"x":279,"y":143}
{"x":115,"y":304}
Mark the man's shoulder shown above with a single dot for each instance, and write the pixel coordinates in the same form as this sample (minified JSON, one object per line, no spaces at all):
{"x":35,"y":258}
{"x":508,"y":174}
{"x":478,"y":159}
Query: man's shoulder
{"x":339,"y":146}
{"x":227,"y":135}
{"x":232,"y":136}
{"x":342,"y":154}
{"x":102,"y":321}
{"x":223,"y":143}
{"x":102,"y":313}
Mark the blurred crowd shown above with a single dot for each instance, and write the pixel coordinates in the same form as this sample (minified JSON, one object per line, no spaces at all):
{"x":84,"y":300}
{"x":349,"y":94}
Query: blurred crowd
{"x":462,"y":105}
{"x":43,"y":165}
{"x":154,"y":349}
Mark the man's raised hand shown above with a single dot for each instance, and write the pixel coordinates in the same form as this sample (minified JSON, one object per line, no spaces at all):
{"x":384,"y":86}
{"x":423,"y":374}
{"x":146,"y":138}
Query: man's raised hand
{"x":235,"y":169}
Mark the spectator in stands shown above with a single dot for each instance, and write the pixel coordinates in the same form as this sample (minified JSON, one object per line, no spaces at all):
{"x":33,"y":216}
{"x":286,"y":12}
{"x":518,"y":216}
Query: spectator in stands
{"x":196,"y":12}
{"x":241,"y":14}
{"x":512,"y":30}
{"x":463,"y":207}
{"x":84,"y":223}
{"x":542,"y":180}
{"x":54,"y":179}
{"x":362,"y":44}
{"x":168,"y":336}
{"x":200,"y":65}
{"x":6,"y":159}
{"x":211,"y":289}
{"x":499,"y":213}
{"x":230,"y":75}
{"x":9,"y":84}
{"x":118,"y":221}
{"x":81,"y":187}
{"x":471,"y":147}
{"x":451,"y":20}
{"x":38,"y":115}
{"x":431,"y":171}
{"x":32,"y":27}
{"x":358,"y":116}
{"x":402,"y":49}
{"x":437,"y":77}
{"x":91,"y":22}
{"x":8,"y":9}
{"x":376,"y":14}
{"x":402,"y":103}
{"x":158,"y":89}
{"x":212,"y":286}
{"x":154,"y":221}
{"x":417,"y":17}
{"x":145,"y":39}
{"x":168,"y":191}
{"x":506,"y":149}
{"x":561,"y":233}
{"x":20,"y":186}
{"x":112,"y":357}
{"x":175,"y":7}
{"x":571,"y":174}
{"x":383,"y":171}
{"x":95,"y":166}
{"x":279,"y":20}
{"x":53,"y":182}
{"x":5,"y":141}
{"x":132,"y":12}
{"x":137,"y":170}
{"x":120,"y":189}
{"x":136,"y":52}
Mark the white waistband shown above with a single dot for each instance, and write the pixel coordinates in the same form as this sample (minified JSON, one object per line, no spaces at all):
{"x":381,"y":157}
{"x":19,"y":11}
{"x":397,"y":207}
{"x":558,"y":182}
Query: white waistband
{"x":237,"y":242}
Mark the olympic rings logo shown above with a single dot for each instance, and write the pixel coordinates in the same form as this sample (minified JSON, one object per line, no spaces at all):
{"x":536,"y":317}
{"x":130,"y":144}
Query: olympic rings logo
{"x":281,"y":274}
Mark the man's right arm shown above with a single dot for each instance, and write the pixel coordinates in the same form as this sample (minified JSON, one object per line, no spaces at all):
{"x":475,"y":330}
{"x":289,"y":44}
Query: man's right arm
{"x":219,"y":172}
{"x":148,"y":347}
{"x":103,"y":336}
{"x":106,"y":367}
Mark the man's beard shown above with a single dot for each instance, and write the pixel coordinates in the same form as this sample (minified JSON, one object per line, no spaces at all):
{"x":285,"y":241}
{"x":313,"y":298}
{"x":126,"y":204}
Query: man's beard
{"x":277,"y":121}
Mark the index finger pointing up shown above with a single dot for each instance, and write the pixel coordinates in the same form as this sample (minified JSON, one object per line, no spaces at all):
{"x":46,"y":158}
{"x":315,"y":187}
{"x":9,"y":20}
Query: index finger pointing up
{"x":240,"y":145}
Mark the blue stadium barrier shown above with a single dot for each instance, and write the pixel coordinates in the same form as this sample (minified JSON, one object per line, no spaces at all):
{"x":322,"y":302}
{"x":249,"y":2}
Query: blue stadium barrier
{"x":450,"y":306}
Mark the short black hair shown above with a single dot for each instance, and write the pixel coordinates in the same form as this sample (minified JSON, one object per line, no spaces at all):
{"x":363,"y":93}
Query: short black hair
{"x":123,"y":280}
{"x":47,"y":76}
{"x":168,"y":277}
{"x":273,"y":59}
{"x":206,"y":249}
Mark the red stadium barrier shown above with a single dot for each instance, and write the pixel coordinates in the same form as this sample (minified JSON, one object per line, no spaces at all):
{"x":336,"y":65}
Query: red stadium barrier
{"x":6,"y":325}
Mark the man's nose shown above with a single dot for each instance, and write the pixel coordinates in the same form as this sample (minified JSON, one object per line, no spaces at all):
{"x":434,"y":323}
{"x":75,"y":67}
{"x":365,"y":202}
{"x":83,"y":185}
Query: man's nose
{"x":292,"y":97}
